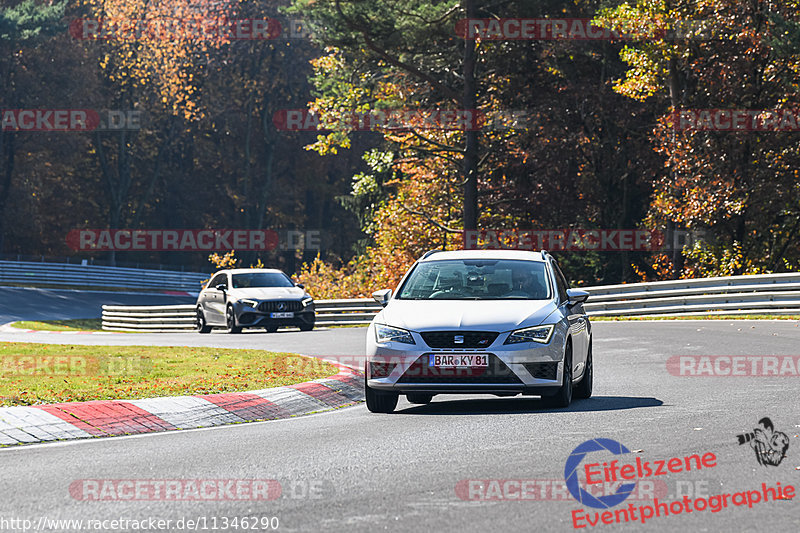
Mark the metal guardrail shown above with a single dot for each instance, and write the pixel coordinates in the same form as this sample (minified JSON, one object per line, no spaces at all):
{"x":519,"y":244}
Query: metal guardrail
{"x":98,"y":277}
{"x":28,"y":258}
{"x":153,"y":318}
{"x":353,"y":311}
{"x":769,"y":294}
{"x":158,"y":318}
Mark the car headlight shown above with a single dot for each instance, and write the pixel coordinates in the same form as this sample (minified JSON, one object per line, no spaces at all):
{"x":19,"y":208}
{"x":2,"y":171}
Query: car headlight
{"x":384,"y":333}
{"x":539,"y":334}
{"x":308,"y":300}
{"x":251,"y":303}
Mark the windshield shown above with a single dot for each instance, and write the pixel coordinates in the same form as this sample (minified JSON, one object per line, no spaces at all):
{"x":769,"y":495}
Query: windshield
{"x":470,"y":279}
{"x":261,"y":279}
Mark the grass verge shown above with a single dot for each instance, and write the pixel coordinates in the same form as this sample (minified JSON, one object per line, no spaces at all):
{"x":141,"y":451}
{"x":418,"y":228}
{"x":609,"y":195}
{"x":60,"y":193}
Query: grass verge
{"x":75,"y":324}
{"x":32,"y":373}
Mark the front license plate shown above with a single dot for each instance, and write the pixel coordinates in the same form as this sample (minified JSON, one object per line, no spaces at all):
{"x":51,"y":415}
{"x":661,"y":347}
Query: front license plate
{"x":281,"y":315}
{"x":457,"y":361}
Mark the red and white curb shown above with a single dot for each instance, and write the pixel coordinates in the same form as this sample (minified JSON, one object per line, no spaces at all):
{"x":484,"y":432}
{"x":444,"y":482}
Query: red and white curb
{"x":104,"y":418}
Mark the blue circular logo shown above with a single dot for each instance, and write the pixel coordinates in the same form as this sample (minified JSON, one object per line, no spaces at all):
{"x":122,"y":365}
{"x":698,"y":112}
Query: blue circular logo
{"x":571,"y":474}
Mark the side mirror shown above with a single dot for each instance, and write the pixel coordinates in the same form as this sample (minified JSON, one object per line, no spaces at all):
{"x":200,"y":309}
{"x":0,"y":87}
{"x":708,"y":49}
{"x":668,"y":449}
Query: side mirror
{"x":577,"y":296}
{"x":299,"y":285}
{"x":221,"y":287}
{"x":382,"y":296}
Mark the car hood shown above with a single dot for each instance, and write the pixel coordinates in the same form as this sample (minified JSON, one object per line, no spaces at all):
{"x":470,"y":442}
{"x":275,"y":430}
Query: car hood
{"x":268,"y":293}
{"x":487,"y":315}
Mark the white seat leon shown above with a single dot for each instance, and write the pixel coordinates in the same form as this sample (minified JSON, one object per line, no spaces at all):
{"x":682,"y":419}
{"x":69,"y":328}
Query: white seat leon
{"x":500,"y":322}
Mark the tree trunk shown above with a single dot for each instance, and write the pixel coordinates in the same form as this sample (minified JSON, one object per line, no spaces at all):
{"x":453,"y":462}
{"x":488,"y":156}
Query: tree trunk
{"x":7,"y":152}
{"x":471,"y":146}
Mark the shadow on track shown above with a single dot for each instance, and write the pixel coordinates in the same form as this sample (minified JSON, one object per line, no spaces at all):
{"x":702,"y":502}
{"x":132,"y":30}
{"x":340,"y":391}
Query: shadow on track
{"x":496,"y":406}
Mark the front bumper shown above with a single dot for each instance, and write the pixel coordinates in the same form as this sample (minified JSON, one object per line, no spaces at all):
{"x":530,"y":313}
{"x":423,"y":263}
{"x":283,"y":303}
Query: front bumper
{"x":250,"y":317}
{"x":524,"y":368}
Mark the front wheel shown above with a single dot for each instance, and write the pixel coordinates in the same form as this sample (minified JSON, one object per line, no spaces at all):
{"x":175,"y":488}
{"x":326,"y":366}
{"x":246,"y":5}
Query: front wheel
{"x":584,"y":388}
{"x":379,"y":401}
{"x":230,"y":321}
{"x":563,"y":397}
{"x":202,"y":325}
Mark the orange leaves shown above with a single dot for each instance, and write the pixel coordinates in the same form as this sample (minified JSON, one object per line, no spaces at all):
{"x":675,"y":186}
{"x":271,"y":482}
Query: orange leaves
{"x":407,"y":225}
{"x":162,"y":52}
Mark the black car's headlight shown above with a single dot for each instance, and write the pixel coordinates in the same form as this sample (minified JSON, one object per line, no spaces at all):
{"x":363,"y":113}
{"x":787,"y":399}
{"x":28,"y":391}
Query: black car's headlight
{"x":308,"y":300}
{"x":249,"y":303}
{"x":384,"y":333}
{"x":539,"y":334}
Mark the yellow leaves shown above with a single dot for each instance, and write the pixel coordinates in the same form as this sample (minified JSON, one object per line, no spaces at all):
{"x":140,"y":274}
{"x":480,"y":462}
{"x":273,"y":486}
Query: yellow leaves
{"x":167,"y":51}
{"x":223,"y":261}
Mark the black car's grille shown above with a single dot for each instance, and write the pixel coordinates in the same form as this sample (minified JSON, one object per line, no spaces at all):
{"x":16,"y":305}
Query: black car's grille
{"x":496,"y":373}
{"x":448,"y":339}
{"x":543,"y":370}
{"x":280,"y":306}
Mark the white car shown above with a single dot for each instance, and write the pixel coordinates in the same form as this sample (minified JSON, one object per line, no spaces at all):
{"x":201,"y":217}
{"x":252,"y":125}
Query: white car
{"x":253,"y":298}
{"x":500,"y":322}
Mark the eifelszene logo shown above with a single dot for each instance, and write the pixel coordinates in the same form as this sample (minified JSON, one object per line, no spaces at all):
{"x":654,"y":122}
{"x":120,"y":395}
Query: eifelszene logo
{"x":770,"y":445}
{"x":615,"y":471}
{"x":571,"y":474}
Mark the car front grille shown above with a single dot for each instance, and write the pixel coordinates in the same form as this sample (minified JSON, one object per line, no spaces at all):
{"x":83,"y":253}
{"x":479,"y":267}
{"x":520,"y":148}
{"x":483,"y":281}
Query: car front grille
{"x":449,"y":339}
{"x":542,"y":370}
{"x":275,"y":306}
{"x":496,"y":373}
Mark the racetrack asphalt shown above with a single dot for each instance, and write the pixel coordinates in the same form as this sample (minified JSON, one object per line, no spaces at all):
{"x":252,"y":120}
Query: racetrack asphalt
{"x":350,"y":470}
{"x":22,"y":303}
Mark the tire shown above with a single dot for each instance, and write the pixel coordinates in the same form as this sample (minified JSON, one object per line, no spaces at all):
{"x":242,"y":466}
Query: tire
{"x":306,"y":327}
{"x":230,"y":321}
{"x":202,"y":325}
{"x":271,"y":329}
{"x":584,"y":389}
{"x":379,"y":401}
{"x":563,"y":397}
{"x":419,"y":398}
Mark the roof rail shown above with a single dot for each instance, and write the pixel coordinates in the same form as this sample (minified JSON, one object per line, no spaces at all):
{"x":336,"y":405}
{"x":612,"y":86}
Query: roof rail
{"x":428,"y":254}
